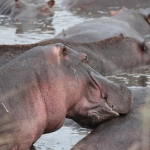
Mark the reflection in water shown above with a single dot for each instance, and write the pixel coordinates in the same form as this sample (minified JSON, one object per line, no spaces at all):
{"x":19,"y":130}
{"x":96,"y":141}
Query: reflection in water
{"x":39,"y":28}
{"x":136,"y":77}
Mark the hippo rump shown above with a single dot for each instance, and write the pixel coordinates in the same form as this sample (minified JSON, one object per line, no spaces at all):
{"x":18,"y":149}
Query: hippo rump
{"x":20,"y":10}
{"x":106,"y":57}
{"x":48,"y":83}
{"x":127,"y":132}
{"x":94,"y":5}
{"x":130,"y":23}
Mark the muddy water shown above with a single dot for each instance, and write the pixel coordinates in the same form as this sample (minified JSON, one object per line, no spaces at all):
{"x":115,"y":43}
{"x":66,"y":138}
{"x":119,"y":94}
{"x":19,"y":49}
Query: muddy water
{"x":12,"y":33}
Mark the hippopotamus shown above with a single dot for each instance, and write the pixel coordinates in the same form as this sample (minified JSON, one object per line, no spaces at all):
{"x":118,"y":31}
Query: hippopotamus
{"x":130,"y":23}
{"x":48,"y":83}
{"x":106,"y":57}
{"x":137,"y":19}
{"x":127,"y":132}
{"x":94,"y":5}
{"x":20,"y":10}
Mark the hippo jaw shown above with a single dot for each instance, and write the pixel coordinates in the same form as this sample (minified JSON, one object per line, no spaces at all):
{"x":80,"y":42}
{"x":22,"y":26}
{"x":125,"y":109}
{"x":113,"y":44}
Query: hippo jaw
{"x":102,"y":105}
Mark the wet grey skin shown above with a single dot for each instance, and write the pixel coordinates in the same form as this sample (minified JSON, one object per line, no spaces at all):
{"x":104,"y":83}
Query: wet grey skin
{"x":27,"y":11}
{"x":103,"y":5}
{"x":46,"y":84}
{"x":107,"y":57}
{"x":129,"y":23}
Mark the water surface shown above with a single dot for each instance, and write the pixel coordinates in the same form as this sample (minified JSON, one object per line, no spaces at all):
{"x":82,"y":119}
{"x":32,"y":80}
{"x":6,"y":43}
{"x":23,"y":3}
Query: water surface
{"x":18,"y":33}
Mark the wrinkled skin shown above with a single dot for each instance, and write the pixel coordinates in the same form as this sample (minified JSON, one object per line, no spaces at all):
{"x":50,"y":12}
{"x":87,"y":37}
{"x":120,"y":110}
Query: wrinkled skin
{"x":137,"y":19}
{"x":106,"y":57}
{"x":94,"y":5}
{"x":46,"y":84}
{"x":20,"y":10}
{"x":127,"y":132}
{"x":130,"y":23}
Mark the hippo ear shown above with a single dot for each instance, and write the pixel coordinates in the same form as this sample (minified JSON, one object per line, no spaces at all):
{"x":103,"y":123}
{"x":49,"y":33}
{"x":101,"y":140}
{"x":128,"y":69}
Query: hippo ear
{"x":148,"y":18}
{"x":51,"y":3}
{"x":121,"y":35}
{"x":16,"y":0}
{"x":113,"y":13}
{"x":144,"y":47}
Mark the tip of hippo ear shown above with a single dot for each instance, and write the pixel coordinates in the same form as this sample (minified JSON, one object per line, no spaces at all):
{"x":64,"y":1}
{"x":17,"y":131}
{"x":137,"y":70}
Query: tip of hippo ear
{"x":51,"y":3}
{"x":16,"y":0}
{"x":113,"y":12}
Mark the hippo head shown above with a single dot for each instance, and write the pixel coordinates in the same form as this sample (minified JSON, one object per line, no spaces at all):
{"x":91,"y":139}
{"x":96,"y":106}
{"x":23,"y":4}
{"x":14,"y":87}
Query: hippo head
{"x":29,"y":12}
{"x":91,"y":98}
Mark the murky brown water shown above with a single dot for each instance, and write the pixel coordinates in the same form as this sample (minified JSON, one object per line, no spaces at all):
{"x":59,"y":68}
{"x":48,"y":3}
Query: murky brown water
{"x":12,"y":33}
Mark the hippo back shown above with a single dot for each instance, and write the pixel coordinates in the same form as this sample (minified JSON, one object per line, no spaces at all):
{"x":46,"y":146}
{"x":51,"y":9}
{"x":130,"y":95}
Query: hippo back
{"x":98,"y":29}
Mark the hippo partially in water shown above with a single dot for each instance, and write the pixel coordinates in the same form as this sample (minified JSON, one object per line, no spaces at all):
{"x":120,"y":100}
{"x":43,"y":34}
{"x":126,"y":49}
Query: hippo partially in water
{"x":127,"y":132}
{"x":94,"y":5}
{"x":130,"y":23}
{"x":106,"y":57}
{"x":137,"y":19}
{"x":48,"y":83}
{"x":20,"y":10}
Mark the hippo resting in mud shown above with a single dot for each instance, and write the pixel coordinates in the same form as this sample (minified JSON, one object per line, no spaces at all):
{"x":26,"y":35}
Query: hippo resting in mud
{"x":106,"y":57}
{"x":46,"y":84}
{"x":127,"y":132}
{"x":21,"y":10}
{"x":130,"y":23}
{"x":94,"y":5}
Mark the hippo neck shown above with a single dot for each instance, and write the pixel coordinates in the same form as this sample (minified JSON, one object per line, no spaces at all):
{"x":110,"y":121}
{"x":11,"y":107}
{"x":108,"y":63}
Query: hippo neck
{"x":48,"y":80}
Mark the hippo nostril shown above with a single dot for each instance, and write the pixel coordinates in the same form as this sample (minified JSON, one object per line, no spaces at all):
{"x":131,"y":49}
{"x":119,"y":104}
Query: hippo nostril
{"x":84,"y":57}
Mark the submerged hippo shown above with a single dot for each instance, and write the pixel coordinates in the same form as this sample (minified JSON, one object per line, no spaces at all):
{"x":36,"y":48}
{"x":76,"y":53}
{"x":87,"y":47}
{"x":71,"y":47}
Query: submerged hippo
{"x":20,"y":10}
{"x":46,"y":84}
{"x":137,"y":19}
{"x":130,"y":23}
{"x":94,"y":5}
{"x":107,"y":56}
{"x":127,"y":132}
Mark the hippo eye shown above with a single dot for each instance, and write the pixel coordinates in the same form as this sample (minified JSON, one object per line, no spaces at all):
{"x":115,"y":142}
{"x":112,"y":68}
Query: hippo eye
{"x":46,"y":10}
{"x":64,"y":51}
{"x":85,"y":59}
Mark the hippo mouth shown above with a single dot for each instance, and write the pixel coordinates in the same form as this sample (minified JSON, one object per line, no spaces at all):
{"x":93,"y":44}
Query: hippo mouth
{"x":102,"y":109}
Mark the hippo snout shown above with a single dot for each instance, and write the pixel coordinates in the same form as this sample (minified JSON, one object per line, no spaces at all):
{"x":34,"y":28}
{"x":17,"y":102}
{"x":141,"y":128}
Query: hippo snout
{"x":122,"y":102}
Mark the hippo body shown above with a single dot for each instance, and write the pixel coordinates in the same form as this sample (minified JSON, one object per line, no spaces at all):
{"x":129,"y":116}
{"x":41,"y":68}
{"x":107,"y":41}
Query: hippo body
{"x":94,"y":5}
{"x":107,"y":56}
{"x":128,"y":132}
{"x":25,"y":11}
{"x":130,"y":23}
{"x":98,"y":29}
{"x":137,"y":19}
{"x":44,"y":85}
